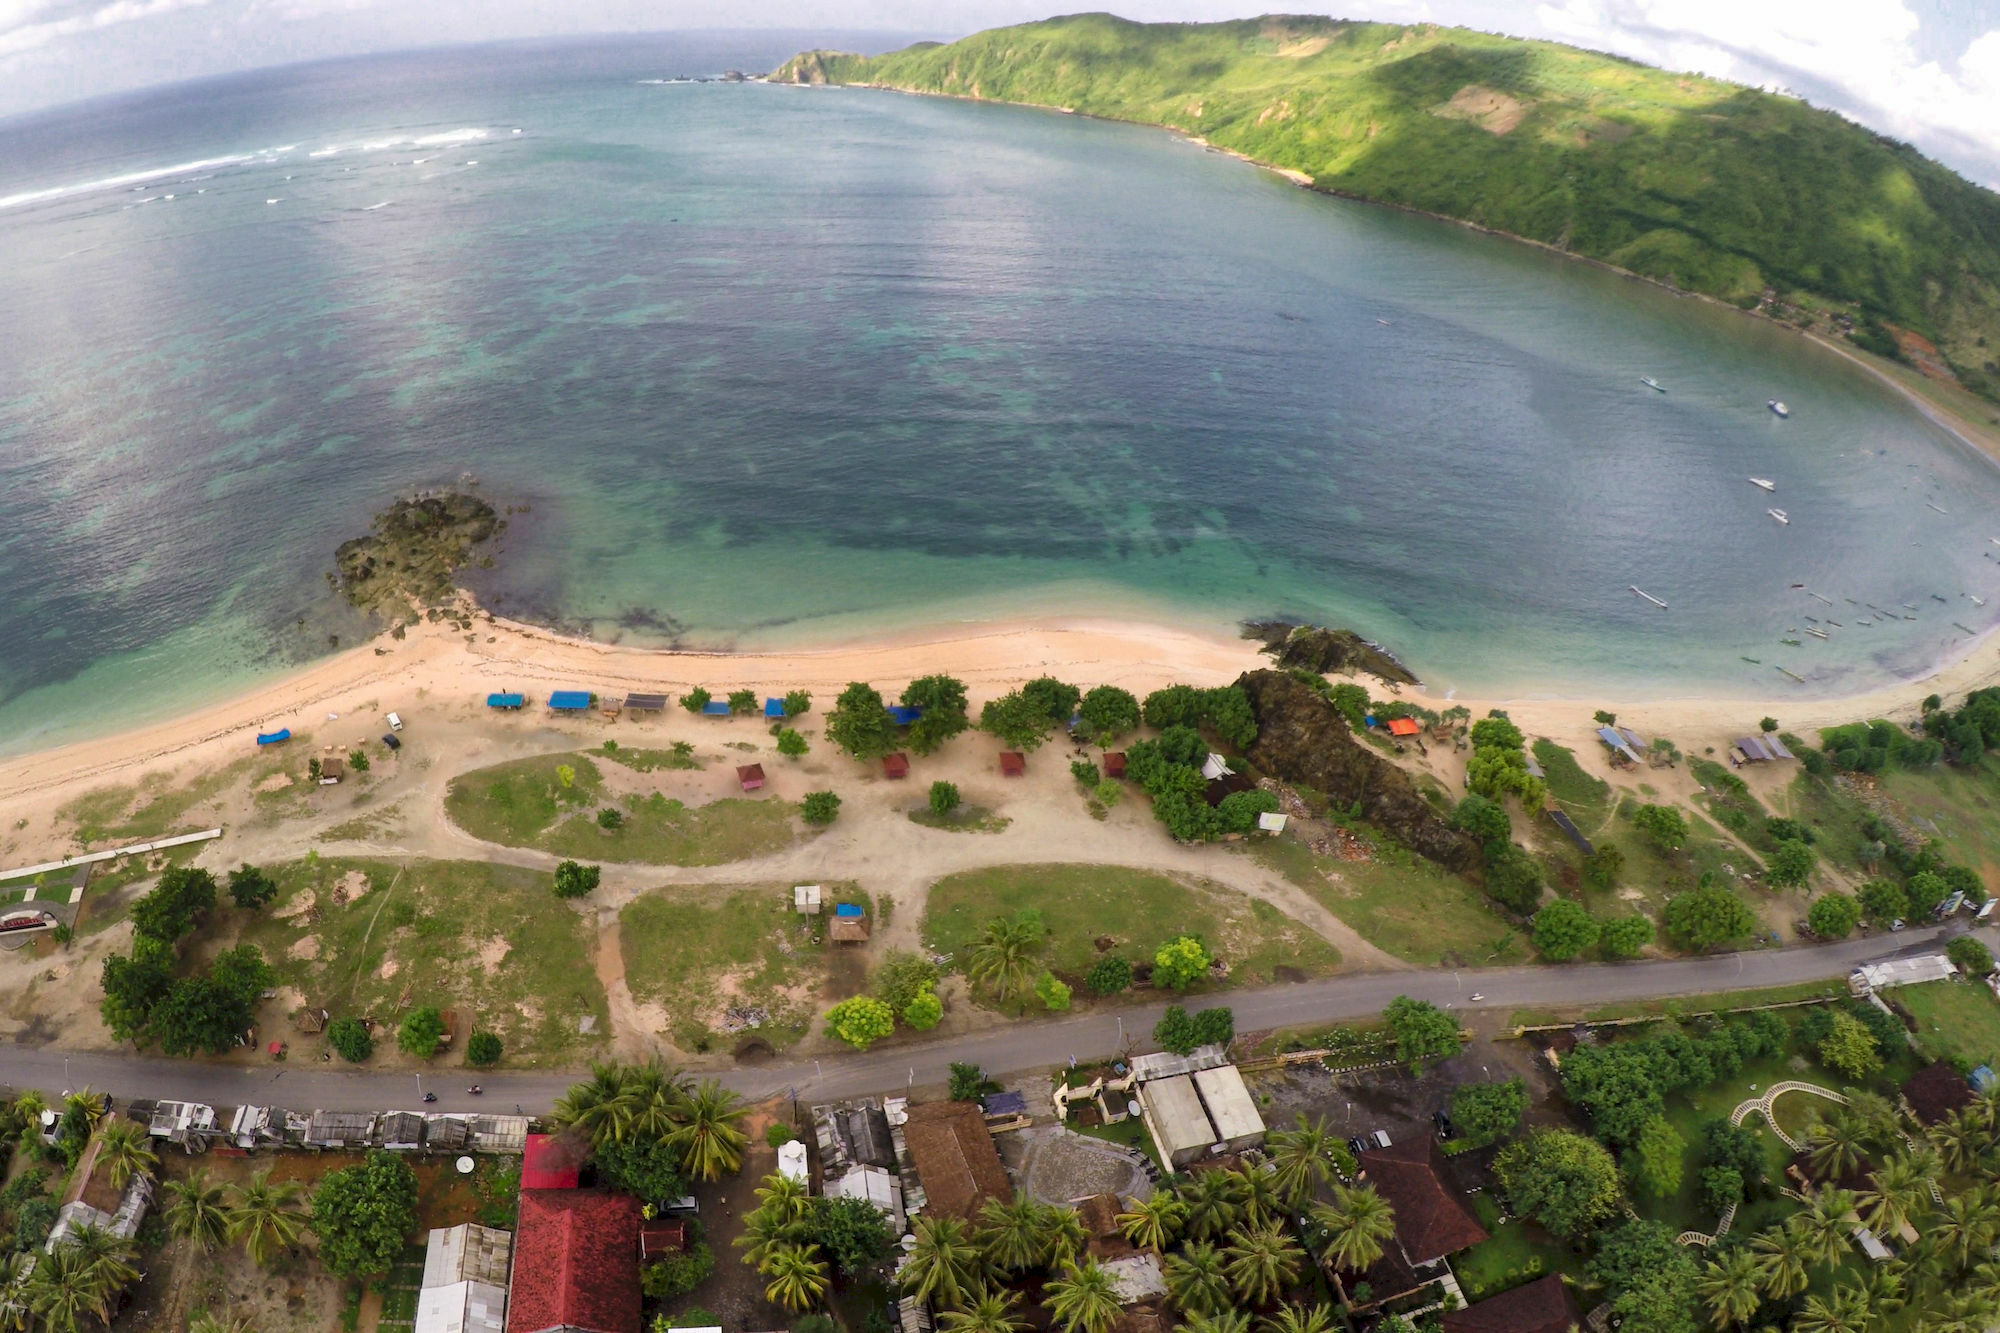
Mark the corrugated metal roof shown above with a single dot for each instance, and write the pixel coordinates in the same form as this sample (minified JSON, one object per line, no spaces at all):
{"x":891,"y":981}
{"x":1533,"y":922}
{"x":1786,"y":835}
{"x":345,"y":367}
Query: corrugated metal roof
{"x":1231,"y":1108}
{"x":1176,"y":1113}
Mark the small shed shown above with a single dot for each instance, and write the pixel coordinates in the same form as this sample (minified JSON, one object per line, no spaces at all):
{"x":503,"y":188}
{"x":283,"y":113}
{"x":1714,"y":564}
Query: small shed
{"x":715,"y":708}
{"x":775,"y":710}
{"x":1114,"y":763}
{"x":903,"y":715}
{"x":1012,"y":763}
{"x":510,"y":702}
{"x":1403,"y":726}
{"x":1622,"y":743}
{"x":806,"y":899}
{"x":645,"y":703}
{"x":1759,"y":750}
{"x":569,"y":701}
{"x":896,"y":765}
{"x":850,"y":924}
{"x":333,"y":766}
{"x":750,"y":776}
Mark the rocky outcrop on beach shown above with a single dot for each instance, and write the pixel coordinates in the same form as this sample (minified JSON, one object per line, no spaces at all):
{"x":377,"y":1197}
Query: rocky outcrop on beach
{"x":1303,"y":739}
{"x":415,"y":549}
{"x":1324,"y":651}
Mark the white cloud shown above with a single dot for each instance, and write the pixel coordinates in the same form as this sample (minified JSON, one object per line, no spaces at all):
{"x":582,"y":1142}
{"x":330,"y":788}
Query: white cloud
{"x":21,"y":30}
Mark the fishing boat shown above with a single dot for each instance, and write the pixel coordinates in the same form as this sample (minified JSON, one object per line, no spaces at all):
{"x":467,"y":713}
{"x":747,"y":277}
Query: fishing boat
{"x":1819,"y":634}
{"x":1753,"y":661}
{"x":1652,"y":384}
{"x":1648,"y":596}
{"x":1977,"y":601}
{"x":1778,"y":514}
{"x":1764,"y":483}
{"x":1794,"y":675}
{"x":1778,"y":407}
{"x":1956,"y":625}
{"x":1811,"y":593}
{"x":1945,"y":512}
{"x":1791,"y":643}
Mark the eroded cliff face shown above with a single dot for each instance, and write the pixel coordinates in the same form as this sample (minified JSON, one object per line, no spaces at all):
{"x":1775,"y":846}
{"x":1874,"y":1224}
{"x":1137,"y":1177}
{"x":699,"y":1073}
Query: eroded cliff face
{"x":1327,"y":651}
{"x":1302,"y":739}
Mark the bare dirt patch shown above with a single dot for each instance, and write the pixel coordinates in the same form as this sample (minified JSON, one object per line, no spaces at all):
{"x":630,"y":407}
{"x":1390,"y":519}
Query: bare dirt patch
{"x":300,"y":905}
{"x":352,"y":885}
{"x":494,"y":952}
{"x":1489,"y":108}
{"x":390,"y":967}
{"x":305,"y":948}
{"x":276,"y":782}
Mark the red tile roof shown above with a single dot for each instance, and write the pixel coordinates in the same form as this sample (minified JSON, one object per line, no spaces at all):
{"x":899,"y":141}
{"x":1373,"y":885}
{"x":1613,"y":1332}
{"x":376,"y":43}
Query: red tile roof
{"x":750,"y":776}
{"x":1013,"y":763}
{"x":1114,"y":763}
{"x":1542,"y":1306}
{"x":576,"y":1263}
{"x":548,"y":1163}
{"x":1430,"y":1221}
{"x":896,"y":765}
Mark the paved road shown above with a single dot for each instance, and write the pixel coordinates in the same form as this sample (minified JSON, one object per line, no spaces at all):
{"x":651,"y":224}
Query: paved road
{"x":1002,"y":1051}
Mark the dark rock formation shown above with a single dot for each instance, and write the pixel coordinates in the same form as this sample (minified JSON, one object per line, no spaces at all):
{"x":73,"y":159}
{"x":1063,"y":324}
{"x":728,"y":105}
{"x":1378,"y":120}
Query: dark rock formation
{"x":1311,"y":648}
{"x":417,"y":545}
{"x":1302,"y":739}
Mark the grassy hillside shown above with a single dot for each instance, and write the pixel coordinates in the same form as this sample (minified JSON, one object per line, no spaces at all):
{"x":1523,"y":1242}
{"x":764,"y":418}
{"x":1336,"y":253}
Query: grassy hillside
{"x":1757,"y":199}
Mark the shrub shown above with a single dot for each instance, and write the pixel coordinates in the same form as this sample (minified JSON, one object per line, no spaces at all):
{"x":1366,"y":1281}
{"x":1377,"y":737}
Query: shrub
{"x":349,"y":1036}
{"x":358,"y":760}
{"x":791,"y":744}
{"x":677,"y":1274}
{"x":1175,"y":1031}
{"x":1215,"y":1027}
{"x":1084,"y":772}
{"x":1603,"y":866}
{"x":742,"y":701}
{"x":574,"y":879}
{"x":1663,"y":826}
{"x":1706,"y":916}
{"x":968,"y":1082}
{"x":1625,"y":936}
{"x":924,"y":1011}
{"x":1180,"y":963}
{"x":1563,"y":930}
{"x":482,"y":1049}
{"x":1833,"y":916}
{"x":1109,"y":713}
{"x":798,"y":703}
{"x":1970,"y":956}
{"x":1052,"y":991}
{"x":610,"y":818}
{"x":421,"y":1031}
{"x":250,"y":887}
{"x":1109,"y":975}
{"x":944,"y":797}
{"x":861,"y":1021}
{"x":778,"y":1134}
{"x":819,"y":807}
{"x":696,"y":699}
{"x":1789,"y":866}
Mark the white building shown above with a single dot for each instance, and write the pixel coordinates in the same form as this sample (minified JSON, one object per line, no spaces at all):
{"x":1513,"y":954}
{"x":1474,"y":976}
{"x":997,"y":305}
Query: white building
{"x":465,"y":1281}
{"x":1231,"y":1108}
{"x":1901,"y":972}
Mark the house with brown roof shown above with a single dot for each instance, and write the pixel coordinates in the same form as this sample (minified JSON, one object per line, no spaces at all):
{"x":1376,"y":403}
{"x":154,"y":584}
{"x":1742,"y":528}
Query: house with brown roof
{"x":1541,"y":1306}
{"x":954,"y":1157}
{"x":1431,"y":1223}
{"x":576,"y":1263}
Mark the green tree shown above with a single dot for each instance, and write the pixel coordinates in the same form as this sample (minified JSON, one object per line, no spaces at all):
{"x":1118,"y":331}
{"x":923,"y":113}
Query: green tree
{"x":363,"y":1216}
{"x":1262,"y":1262}
{"x":1181,"y":962}
{"x":1015,"y":720}
{"x":1214,"y":1202}
{"x":1706,"y":916}
{"x":250,"y":887}
{"x":1925,"y":889}
{"x":647,"y":1168}
{"x":1651,"y":1279}
{"x":1833,"y":916}
{"x":924,"y":1011}
{"x":1108,"y":975}
{"x":1153,"y":1223}
{"x":1083,"y":1300}
{"x":1109,"y":713}
{"x":1970,"y":956}
{"x":1423,"y":1033}
{"x":1357,"y":1225}
{"x":797,"y":1277}
{"x":1197,"y":1282}
{"x":210,"y":1013}
{"x":420,"y":1032}
{"x":135,"y":986}
{"x":791,"y":744}
{"x":197,"y":1209}
{"x":349,"y":1036}
{"x":993,"y":1312}
{"x":902,"y":976}
{"x":123,"y":1151}
{"x":945,"y":1266}
{"x":968,"y":1082}
{"x":1052,"y":698}
{"x":1483,"y":819}
{"x":1625,"y":936}
{"x":1175,"y":1031}
{"x":696,"y":699}
{"x":942,"y":699}
{"x":1850,"y":1048}
{"x":798,"y":703}
{"x":183,"y":895}
{"x":1514,"y":880}
{"x":574,"y":880}
{"x":861,"y":1021}
{"x":1664,"y":826}
{"x":1014,"y":1233}
{"x":1483,"y":1112}
{"x":482,"y":1049}
{"x":266,"y":1218}
{"x":1564,"y":929}
{"x":1789,"y":865}
{"x":674,"y":1275}
{"x":944,"y":797}
{"x":1565,"y":1181}
{"x":742,"y":702}
{"x":1603,"y":866}
{"x":1052,"y":992}
{"x":860,"y":724}
{"x":1730,"y":1287}
{"x":819,"y":807}
{"x":1884,"y":901}
{"x":1654,"y":1160}
{"x":1003,"y":959}
{"x":710,"y":1136}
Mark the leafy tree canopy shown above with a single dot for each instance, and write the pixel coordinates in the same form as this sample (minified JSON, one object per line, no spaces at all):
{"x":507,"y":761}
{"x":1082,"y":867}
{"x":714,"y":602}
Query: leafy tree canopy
{"x":1563,"y":1180}
{"x":364,"y":1214}
{"x":860,"y":724}
{"x":1422,"y":1032}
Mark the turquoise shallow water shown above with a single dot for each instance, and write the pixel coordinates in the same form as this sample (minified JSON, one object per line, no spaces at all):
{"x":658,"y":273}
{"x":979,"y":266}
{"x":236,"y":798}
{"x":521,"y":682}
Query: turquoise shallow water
{"x":774,"y":365}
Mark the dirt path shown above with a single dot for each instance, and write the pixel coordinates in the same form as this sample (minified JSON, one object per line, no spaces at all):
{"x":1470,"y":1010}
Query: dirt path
{"x":632,"y":1036}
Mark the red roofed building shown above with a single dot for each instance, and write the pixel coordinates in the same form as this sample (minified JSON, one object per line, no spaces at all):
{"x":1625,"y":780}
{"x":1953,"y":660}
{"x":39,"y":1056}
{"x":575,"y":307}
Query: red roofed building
{"x":548,"y":1163}
{"x":1542,"y":1306}
{"x":1403,"y":726}
{"x":1012,"y":763}
{"x":1430,"y":1221}
{"x":576,"y":1263}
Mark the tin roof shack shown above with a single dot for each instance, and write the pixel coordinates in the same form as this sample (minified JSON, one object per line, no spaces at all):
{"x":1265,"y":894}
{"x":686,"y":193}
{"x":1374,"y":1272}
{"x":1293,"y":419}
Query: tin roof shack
{"x":91,"y":1201}
{"x":852,"y":1133}
{"x":954,"y":1158}
{"x":1172,"y":1111}
{"x":499,"y":1133}
{"x":401,"y":1131}
{"x":1759,"y":750}
{"x":877,"y":1186}
{"x":1232,"y":1111}
{"x":188,"y":1124}
{"x":576,"y":1263}
{"x":465,"y":1280}
{"x":1871,"y":977}
{"x":340,"y":1129}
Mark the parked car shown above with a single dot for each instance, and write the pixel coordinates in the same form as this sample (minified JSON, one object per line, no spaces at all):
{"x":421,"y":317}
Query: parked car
{"x":1443,"y":1123}
{"x":1359,"y":1145}
{"x":395,"y":723}
{"x":389,"y":739}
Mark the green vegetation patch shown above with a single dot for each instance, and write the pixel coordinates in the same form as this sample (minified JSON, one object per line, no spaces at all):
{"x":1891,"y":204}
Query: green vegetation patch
{"x":1516,"y":1253}
{"x":1956,"y":1020}
{"x":491,"y":941}
{"x":1578,"y":792}
{"x":157,"y":806}
{"x":1960,"y":806}
{"x":1400,"y":903}
{"x":1139,"y":909}
{"x":961,"y":819}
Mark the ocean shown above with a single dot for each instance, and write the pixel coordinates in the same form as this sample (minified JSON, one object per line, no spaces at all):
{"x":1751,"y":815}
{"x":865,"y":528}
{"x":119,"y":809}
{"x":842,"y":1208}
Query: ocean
{"x":765,"y":366}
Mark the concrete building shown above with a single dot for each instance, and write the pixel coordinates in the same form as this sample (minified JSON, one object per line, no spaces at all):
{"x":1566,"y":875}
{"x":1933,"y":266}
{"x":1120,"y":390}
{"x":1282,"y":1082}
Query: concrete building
{"x":1916,"y":971}
{"x":878,"y":1186}
{"x":1173,"y":1113}
{"x":1232,"y":1111}
{"x":465,"y":1280}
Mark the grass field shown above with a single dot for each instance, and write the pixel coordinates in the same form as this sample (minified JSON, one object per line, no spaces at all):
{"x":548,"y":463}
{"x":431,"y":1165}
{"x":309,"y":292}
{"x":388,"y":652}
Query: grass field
{"x":1956,"y":1020}
{"x":1516,"y":1253}
{"x":698,"y":952}
{"x":1685,"y":1007}
{"x":964,"y":819}
{"x":157,"y":806}
{"x":647,"y":761}
{"x":1139,"y":909}
{"x":1402,"y":904}
{"x":490,"y":941}
{"x":1958,"y":806}
{"x":529,"y":803}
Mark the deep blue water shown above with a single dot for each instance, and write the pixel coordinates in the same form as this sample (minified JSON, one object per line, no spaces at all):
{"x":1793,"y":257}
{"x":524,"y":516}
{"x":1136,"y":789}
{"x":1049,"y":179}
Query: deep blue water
{"x":774,"y":365}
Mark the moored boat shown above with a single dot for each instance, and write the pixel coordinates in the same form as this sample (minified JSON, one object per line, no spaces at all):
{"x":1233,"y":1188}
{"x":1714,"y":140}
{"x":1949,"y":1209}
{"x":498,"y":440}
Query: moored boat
{"x":1764,"y":483}
{"x":1778,"y":407}
{"x":1779,"y":514}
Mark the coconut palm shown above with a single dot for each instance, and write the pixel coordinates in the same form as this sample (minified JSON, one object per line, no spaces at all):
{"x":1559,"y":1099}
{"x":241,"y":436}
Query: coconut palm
{"x":123,"y":1150}
{"x":765,"y":1233}
{"x":1784,"y":1256}
{"x":1154,"y":1223}
{"x":1843,"y":1313}
{"x":945,"y":1266}
{"x":1260,"y":1198}
{"x":15,"y":1314}
{"x":1083,"y":1300}
{"x":1898,"y":1191}
{"x":1838,"y":1146}
{"x":214,"y":1323}
{"x":29,"y":1106}
{"x":1885,"y":1290}
{"x":1197,"y":1280}
{"x":1964,"y":1227}
{"x":267,"y":1217}
{"x":993,"y":1312}
{"x":1213,"y":1207}
{"x":1225,"y":1321}
{"x":1300,"y":1319}
{"x":107,"y":1262}
{"x":1004,"y":958}
{"x":58,"y":1292}
{"x":197,"y":1209}
{"x":1958,"y":1312}
{"x":88,"y":1105}
{"x":1301,"y":1158}
{"x":1262,"y":1263}
{"x":711,"y":1140}
{"x":1358,"y":1223}
{"x":797,"y":1277}
{"x":655,"y":1097}
{"x":1827,"y":1222}
{"x":1881,"y":1119}
{"x":786,"y":1199}
{"x":1063,"y":1235}
{"x":1961,"y":1141}
{"x":1729,"y":1287}
{"x":1014,"y":1234}
{"x":599,"y":1107}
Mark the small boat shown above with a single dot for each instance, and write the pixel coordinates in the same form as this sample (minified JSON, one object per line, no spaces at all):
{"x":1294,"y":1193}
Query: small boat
{"x":1778,"y":514}
{"x":1794,"y":675}
{"x":1791,"y":643}
{"x":1939,"y":600}
{"x":1778,"y":407}
{"x":1798,"y":585}
{"x":1753,"y":661}
{"x":1819,"y":634}
{"x":1835,"y":623}
{"x":1827,"y":600}
{"x":1945,"y":512}
{"x":1648,"y":596}
{"x":1956,"y":625}
{"x":1763,"y":483}
{"x":1652,"y":384}
{"x":1977,"y":601}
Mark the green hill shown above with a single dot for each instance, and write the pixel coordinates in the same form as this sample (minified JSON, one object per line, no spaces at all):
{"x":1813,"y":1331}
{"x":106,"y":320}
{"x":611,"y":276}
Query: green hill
{"x":1757,"y":199}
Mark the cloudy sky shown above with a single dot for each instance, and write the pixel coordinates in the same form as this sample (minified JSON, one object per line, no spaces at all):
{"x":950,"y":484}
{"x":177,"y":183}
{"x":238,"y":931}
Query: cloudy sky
{"x":1923,"y":70}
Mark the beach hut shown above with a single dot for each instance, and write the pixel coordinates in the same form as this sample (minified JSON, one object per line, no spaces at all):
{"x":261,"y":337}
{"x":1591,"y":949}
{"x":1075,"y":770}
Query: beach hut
{"x":1622,"y":744}
{"x":750,"y":776}
{"x":1403,"y":726}
{"x":274,"y":737}
{"x":1759,"y":750}
{"x":715,"y":708}
{"x":1114,"y":764}
{"x":903,"y":716}
{"x":896,"y":765}
{"x":774,"y":709}
{"x":569,"y":701}
{"x":507,"y":702}
{"x":1012,"y":763}
{"x":645,"y":703}
{"x":332,"y":767}
{"x":850,"y":924}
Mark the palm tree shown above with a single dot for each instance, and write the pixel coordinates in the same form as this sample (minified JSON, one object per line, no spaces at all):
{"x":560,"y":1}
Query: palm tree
{"x":1004,"y":958}
{"x":1898,"y":1191}
{"x":765,"y":1233}
{"x":89,"y":1106}
{"x":993,"y":1312}
{"x":58,"y":1292}
{"x":29,"y":1106}
{"x":1014,"y":1234}
{"x":1783,"y":1258}
{"x":711,"y":1141}
{"x":1212,"y":1206}
{"x":211,"y":1323}
{"x":1154,"y":1223}
{"x":1263,"y":1262}
{"x":107,"y":1258}
{"x":1301,"y":1158}
{"x":1294,"y":1319}
{"x":655,"y":1099}
{"x":1884,"y":1289}
{"x":1063,"y":1236}
{"x":1226,"y":1321}
{"x":1960,"y":1141}
{"x":1964,"y":1227}
{"x":945,"y":1266}
{"x":198,"y":1209}
{"x":783,"y":1197}
{"x":122,"y":1150}
{"x":1358,"y":1223}
{"x":267,"y":1218}
{"x":599,"y":1107}
{"x":1837,"y":1146}
{"x":15,"y":1314}
{"x":797,"y":1277}
{"x":1729,"y":1287}
{"x":1261,"y":1201}
{"x":1842,"y":1314}
{"x":1197,"y":1280}
{"x":1082,"y":1300}
{"x":1827,"y":1222}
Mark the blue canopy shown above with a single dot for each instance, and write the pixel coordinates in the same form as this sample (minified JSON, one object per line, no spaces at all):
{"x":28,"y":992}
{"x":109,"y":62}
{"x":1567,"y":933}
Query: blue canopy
{"x":902,"y":716}
{"x":847,"y":909}
{"x":504,"y":701}
{"x":715,"y":708}
{"x":774,"y":708}
{"x":273,"y":737}
{"x":570,"y":701}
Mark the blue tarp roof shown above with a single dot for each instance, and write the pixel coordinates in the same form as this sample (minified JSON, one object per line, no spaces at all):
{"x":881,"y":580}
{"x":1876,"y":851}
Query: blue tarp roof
{"x":715,"y":708}
{"x":273,"y":737}
{"x":569,"y":701}
{"x":774,"y":708}
{"x":847,"y":909}
{"x":902,"y":716}
{"x":504,"y":701}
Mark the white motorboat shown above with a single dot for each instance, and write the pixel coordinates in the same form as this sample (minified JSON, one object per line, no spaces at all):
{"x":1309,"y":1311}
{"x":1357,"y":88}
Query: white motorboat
{"x":1778,"y":408}
{"x":1652,"y":384}
{"x":1764,"y":483}
{"x":1778,"y":514}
